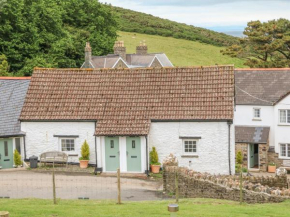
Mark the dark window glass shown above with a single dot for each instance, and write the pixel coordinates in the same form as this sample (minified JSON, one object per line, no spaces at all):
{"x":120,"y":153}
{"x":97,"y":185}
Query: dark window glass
{"x":67,"y":144}
{"x":17,"y":145}
{"x":112,"y":143}
{"x":133,"y":144}
{"x":6,"y":148}
{"x":288,"y":116}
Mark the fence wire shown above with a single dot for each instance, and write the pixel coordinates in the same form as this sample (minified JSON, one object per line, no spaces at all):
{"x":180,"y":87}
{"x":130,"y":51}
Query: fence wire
{"x":39,"y":184}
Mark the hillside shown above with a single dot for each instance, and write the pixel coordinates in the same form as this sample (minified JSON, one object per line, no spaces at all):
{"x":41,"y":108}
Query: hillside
{"x":181,"y":52}
{"x":133,"y":21}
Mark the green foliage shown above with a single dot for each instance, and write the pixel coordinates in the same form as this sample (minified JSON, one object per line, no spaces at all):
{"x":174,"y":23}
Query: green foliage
{"x":132,"y":21}
{"x":239,"y":158}
{"x":266,"y":45}
{"x":154,"y":157}
{"x":244,"y":170}
{"x":272,"y":164}
{"x":17,"y":158}
{"x":4,"y":67}
{"x":85,"y":151}
{"x":53,"y":33}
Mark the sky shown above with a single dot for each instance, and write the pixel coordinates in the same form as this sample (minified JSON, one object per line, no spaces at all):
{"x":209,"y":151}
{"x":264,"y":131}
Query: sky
{"x":219,"y":15}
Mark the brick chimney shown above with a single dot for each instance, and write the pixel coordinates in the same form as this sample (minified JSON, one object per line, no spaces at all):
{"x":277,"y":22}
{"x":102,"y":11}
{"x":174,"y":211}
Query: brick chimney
{"x":142,"y":48}
{"x":88,"y":54}
{"x":120,"y":49}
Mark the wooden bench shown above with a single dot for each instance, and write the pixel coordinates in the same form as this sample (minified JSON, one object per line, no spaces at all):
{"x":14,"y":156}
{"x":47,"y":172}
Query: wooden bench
{"x":54,"y":157}
{"x":286,"y":164}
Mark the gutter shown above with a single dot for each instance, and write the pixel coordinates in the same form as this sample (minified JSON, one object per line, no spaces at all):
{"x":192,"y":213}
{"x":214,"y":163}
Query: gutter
{"x":229,"y":145}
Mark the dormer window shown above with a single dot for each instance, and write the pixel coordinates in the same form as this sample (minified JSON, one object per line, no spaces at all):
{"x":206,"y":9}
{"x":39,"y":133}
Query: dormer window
{"x":257,"y":113}
{"x":284,"y":116}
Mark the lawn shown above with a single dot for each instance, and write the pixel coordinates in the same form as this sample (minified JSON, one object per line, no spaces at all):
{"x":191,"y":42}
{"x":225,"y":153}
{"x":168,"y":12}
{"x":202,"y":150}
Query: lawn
{"x":181,"y":52}
{"x":188,"y":208}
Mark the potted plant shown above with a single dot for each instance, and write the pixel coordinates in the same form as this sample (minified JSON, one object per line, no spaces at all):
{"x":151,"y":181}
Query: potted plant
{"x":85,"y":152}
{"x":155,"y":165}
{"x":17,"y":158}
{"x":271,"y":167}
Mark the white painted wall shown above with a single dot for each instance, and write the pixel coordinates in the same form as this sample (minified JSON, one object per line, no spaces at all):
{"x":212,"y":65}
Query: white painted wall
{"x":282,"y":131}
{"x":39,"y":137}
{"x":212,"y":148}
{"x":123,"y":153}
{"x":244,"y":116}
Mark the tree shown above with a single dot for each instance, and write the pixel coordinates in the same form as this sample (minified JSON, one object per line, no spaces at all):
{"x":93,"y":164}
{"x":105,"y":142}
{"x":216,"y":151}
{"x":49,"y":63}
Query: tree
{"x":266,"y":44}
{"x":154,"y":160}
{"x":17,"y":158}
{"x":85,"y":151}
{"x":4,"y":67}
{"x":53,"y":32}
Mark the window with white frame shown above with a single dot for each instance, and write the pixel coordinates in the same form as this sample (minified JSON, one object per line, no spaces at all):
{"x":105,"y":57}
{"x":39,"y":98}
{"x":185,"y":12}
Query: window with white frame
{"x":284,"y":116}
{"x":67,"y":144}
{"x":257,"y":113}
{"x":285,"y":150}
{"x":189,"y":147}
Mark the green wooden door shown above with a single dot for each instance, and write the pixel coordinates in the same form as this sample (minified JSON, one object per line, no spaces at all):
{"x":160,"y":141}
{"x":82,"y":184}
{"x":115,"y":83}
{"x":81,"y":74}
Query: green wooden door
{"x":6,"y":153}
{"x":252,"y":162}
{"x":112,"y":153}
{"x":133,"y":154}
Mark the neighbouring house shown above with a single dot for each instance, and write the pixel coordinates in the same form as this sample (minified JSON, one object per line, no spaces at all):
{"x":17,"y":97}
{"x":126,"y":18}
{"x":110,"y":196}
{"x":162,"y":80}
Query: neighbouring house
{"x":12,"y":94}
{"x":123,"y":113}
{"x":262,"y":116}
{"x":120,"y":59}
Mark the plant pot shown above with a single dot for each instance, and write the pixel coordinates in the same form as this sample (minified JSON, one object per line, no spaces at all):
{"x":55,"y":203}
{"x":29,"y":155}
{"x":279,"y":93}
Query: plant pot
{"x":155,"y":168}
{"x":84,"y":164}
{"x":271,"y":169}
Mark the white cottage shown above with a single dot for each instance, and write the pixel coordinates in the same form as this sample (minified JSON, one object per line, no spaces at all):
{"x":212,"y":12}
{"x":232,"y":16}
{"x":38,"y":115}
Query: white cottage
{"x":262,"y":116}
{"x":123,"y":113}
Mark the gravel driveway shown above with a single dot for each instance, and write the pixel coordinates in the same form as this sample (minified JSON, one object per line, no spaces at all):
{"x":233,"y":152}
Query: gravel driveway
{"x":29,"y":184}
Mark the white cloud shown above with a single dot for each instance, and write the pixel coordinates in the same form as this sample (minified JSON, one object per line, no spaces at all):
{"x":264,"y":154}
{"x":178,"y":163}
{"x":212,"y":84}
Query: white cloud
{"x":209,"y":13}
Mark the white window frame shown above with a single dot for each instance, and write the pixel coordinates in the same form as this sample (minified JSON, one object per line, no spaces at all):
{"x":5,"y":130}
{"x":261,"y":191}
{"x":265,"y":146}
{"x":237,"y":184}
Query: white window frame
{"x":287,"y":148}
{"x":189,"y":153}
{"x":279,"y":116}
{"x":66,"y":138}
{"x":254,"y":114}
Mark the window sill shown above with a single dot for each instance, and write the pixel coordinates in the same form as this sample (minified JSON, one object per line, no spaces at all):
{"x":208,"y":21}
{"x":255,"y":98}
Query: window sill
{"x":189,"y":156}
{"x":256,"y":119}
{"x":285,"y":125}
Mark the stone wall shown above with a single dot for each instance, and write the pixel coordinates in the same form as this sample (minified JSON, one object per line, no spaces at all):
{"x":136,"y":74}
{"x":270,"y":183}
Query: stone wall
{"x":198,"y":185}
{"x":274,"y":157}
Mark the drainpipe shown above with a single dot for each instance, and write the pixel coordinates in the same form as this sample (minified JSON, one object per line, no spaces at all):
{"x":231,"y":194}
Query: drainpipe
{"x":229,"y":144}
{"x":24,"y":147}
{"x":96,"y":153}
{"x":147,"y":169}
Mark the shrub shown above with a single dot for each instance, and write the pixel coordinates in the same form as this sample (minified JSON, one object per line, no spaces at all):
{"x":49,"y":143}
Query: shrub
{"x":239,"y":158}
{"x":272,"y":164}
{"x":17,"y":158}
{"x":85,"y":152}
{"x":154,"y":157}
{"x":244,"y":170}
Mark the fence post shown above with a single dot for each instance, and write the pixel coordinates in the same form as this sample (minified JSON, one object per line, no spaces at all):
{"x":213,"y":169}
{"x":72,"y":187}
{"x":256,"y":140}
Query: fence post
{"x":119,"y":186}
{"x":53,"y":185}
{"x":176,"y":187}
{"x":241,"y":187}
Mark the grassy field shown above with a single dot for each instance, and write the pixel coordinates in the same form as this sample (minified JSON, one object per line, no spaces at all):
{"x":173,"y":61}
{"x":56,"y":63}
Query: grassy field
{"x":181,"y":52}
{"x":188,"y":208}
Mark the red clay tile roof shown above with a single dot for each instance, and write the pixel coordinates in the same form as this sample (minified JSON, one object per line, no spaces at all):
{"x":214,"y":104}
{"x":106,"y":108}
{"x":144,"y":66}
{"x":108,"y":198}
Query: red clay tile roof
{"x":124,"y":101}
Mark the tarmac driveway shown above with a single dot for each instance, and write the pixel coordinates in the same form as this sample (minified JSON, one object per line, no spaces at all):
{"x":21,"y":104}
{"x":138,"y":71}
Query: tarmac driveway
{"x":29,"y":184}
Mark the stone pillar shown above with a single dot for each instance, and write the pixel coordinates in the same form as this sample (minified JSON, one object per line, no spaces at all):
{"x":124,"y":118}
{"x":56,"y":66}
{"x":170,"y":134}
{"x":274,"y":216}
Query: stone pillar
{"x":120,"y":49}
{"x":142,"y":48}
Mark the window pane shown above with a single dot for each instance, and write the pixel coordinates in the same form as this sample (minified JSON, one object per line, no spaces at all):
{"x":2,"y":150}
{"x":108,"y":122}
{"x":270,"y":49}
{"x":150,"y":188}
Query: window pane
{"x":67,"y":144}
{"x":6,"y":148}
{"x":288,"y":148}
{"x":17,"y":145}
{"x":288,"y":116}
{"x":133,"y":143}
{"x":282,"y":116}
{"x":256,"y":113}
{"x":283,"y":150}
{"x":112,"y":143}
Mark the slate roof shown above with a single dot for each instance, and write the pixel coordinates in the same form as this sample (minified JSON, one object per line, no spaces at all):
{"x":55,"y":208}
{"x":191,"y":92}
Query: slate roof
{"x":12,"y":92}
{"x":125,"y":101}
{"x":261,"y":86}
{"x":252,"y":134}
{"x":132,"y":60}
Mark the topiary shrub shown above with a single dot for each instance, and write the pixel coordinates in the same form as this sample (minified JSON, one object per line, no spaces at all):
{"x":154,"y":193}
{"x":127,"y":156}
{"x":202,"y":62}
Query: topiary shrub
{"x":85,"y":151}
{"x":239,"y":161}
{"x":17,"y":158}
{"x":154,"y":157}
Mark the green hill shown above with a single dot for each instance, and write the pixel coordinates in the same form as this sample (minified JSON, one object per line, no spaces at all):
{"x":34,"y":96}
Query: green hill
{"x":181,"y":52}
{"x":133,"y":21}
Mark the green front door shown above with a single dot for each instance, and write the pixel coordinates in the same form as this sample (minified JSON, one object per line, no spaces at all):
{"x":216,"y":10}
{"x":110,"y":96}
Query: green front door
{"x":112,"y":153}
{"x":133,"y":154}
{"x":6,"y":153}
{"x":252,"y":162}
